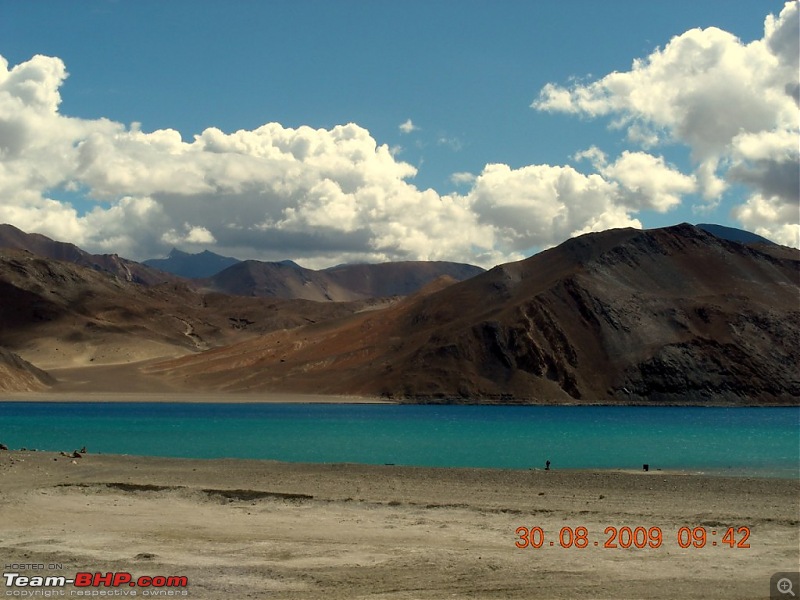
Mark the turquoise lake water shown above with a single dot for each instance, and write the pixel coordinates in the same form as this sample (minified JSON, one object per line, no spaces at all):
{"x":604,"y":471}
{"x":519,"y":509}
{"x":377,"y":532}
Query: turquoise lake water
{"x":736,"y":441}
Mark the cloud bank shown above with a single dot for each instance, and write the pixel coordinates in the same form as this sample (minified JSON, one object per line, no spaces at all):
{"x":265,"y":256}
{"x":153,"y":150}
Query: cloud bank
{"x":316,"y":195}
{"x":326,"y":196}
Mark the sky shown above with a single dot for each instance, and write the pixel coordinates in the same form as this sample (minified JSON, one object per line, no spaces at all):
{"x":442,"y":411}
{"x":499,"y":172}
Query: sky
{"x":342,"y":131}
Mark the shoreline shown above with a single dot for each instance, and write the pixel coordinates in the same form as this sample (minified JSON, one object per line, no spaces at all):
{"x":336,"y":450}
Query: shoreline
{"x":588,"y":472}
{"x":734,"y":474}
{"x":274,"y":397}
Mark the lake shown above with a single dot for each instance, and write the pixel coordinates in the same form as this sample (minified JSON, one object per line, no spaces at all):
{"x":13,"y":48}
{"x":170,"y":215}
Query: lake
{"x":734,"y":441}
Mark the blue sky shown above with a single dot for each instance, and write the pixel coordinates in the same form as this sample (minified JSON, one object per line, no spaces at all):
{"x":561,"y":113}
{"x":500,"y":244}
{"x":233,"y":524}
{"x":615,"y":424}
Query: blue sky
{"x":462,"y":75}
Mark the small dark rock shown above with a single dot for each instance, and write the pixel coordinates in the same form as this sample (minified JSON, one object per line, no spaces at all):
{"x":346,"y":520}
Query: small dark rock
{"x":144,"y":556}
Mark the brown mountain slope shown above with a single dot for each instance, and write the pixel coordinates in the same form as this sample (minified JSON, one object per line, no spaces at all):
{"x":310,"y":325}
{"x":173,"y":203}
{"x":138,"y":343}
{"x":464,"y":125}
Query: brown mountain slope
{"x":40,"y":245}
{"x":278,"y":280}
{"x":57,"y":314}
{"x":665,"y":315}
{"x":284,"y":279}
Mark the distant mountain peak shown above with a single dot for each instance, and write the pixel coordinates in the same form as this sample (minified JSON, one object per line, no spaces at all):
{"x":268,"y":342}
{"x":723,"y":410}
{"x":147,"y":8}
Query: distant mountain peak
{"x":289,"y":263}
{"x":195,"y":266}
{"x":175,"y":253}
{"x":732,"y":234}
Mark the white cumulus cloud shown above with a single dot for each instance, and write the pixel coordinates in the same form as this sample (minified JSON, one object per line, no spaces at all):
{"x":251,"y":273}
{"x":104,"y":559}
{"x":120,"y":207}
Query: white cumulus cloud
{"x":646,"y":181}
{"x":542,"y":205}
{"x":734,"y":104}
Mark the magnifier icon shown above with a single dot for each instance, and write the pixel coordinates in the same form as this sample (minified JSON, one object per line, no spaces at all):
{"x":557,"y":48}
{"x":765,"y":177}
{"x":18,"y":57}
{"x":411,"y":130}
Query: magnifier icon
{"x":785,"y":586}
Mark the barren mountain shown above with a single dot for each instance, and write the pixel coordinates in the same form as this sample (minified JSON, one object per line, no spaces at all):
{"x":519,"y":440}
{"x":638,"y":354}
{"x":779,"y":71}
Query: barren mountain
{"x":184,"y":264}
{"x":40,"y":245}
{"x":343,"y":283}
{"x":215,"y":273}
{"x":278,"y":280}
{"x":667,"y":315}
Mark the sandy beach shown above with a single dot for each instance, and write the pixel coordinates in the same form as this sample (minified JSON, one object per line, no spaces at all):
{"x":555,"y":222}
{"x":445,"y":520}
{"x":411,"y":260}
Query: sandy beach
{"x":257,"y":529}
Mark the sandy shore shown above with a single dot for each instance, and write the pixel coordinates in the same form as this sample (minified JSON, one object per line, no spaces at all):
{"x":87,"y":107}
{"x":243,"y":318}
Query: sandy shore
{"x":255,"y":529}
